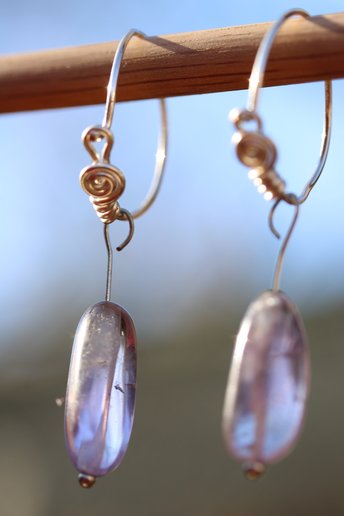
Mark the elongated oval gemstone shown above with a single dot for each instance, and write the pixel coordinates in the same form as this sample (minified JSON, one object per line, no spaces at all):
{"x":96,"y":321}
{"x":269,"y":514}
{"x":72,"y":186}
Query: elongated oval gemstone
{"x":268,"y":383}
{"x":101,"y":387}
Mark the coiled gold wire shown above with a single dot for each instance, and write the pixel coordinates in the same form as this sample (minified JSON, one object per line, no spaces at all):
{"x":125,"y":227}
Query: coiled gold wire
{"x":104,"y":183}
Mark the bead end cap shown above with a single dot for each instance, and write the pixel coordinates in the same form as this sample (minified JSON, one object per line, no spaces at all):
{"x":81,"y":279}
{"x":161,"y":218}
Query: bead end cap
{"x":253,"y":470}
{"x":86,"y":481}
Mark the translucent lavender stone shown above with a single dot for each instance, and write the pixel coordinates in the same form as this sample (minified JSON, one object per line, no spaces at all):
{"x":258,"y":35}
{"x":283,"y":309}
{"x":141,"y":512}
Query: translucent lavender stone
{"x":101,"y":387}
{"x":268,"y":382}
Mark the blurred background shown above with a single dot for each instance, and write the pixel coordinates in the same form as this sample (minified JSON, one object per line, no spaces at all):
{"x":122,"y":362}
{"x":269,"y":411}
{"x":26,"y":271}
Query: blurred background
{"x":198,"y":258}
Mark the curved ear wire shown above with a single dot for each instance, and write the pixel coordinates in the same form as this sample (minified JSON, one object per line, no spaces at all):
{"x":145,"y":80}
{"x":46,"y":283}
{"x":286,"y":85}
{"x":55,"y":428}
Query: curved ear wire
{"x":160,"y":163}
{"x":258,"y":69}
{"x":105,"y":183}
{"x":161,"y":153}
{"x":256,"y":82}
{"x":114,"y":74}
{"x":325,"y":144}
{"x":256,"y":151}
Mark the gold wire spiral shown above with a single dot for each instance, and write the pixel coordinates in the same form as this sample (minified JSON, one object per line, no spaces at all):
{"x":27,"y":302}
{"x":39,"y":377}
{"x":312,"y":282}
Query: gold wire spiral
{"x":104,"y":183}
{"x":258,"y":153}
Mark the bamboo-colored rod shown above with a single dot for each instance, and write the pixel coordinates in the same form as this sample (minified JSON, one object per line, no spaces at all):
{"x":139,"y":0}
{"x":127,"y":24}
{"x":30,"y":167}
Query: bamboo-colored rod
{"x":180,"y":64}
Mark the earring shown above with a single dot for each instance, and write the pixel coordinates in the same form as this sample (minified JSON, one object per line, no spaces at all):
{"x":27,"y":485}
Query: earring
{"x":100,"y":397}
{"x":269,"y":377}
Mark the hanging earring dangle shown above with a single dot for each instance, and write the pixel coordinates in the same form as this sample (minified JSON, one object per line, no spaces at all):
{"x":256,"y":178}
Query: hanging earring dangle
{"x":100,"y":397}
{"x":269,"y":377}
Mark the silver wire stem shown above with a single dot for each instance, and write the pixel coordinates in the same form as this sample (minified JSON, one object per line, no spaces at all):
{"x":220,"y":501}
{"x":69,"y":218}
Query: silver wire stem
{"x":258,"y":69}
{"x":256,"y":82}
{"x":161,"y":153}
{"x":109,"y":263}
{"x":160,"y":162}
{"x":92,"y":178}
{"x":325,"y":143}
{"x":114,"y":74}
{"x":281,"y":254}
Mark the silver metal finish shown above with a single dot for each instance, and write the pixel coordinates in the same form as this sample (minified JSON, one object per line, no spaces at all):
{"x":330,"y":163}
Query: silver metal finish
{"x":104,"y":182}
{"x":281,"y":254}
{"x":256,"y":151}
{"x":114,"y":74}
{"x":261,"y":59}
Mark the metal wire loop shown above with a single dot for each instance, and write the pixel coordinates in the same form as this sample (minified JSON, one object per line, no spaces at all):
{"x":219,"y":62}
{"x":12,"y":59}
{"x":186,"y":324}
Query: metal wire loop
{"x":283,"y":248}
{"x":108,"y":118}
{"x":257,"y":151}
{"x":97,"y":133}
{"x":94,"y":134}
{"x":105,"y":183}
{"x":256,"y":82}
{"x":114,"y":74}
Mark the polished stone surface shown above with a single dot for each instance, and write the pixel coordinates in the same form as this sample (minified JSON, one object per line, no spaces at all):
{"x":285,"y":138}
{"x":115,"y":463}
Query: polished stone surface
{"x":101,"y":388}
{"x":268,"y":381}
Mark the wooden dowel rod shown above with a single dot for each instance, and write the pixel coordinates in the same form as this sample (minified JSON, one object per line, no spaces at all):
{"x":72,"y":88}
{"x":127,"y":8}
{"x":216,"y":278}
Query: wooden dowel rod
{"x":180,"y":64}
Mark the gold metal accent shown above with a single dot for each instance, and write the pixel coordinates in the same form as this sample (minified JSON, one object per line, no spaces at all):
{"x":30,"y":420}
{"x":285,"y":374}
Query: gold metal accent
{"x":259,"y":153}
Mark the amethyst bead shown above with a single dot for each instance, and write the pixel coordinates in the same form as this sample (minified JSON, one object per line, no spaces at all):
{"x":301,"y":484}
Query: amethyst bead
{"x":268,"y":383}
{"x":100,"y":398}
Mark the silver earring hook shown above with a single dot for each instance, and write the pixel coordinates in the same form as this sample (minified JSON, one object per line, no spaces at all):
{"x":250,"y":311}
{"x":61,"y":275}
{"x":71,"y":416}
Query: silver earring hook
{"x":160,"y":163}
{"x":114,"y":74}
{"x":161,"y":153}
{"x":258,"y":69}
{"x":105,"y":183}
{"x":256,"y":82}
{"x":160,"y":159}
{"x":92,"y":185}
{"x":259,"y":153}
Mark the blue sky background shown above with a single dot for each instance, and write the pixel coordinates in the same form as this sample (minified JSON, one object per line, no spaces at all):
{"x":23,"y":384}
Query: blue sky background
{"x":207,"y":231}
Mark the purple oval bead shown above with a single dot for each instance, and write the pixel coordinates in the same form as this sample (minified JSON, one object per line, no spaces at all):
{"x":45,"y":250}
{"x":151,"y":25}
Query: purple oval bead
{"x":100,"y":398}
{"x":268,"y":382}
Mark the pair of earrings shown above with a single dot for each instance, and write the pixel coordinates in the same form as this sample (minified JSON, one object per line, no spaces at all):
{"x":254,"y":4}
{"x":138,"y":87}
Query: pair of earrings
{"x":269,"y":378}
